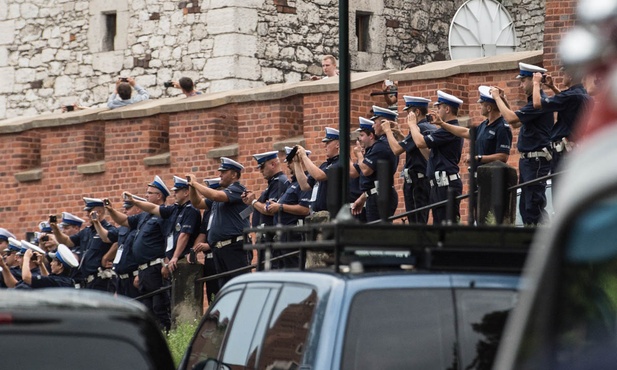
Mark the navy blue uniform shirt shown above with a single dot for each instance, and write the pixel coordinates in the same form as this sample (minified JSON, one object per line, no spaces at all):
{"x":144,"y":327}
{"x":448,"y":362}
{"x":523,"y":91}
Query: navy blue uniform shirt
{"x":379,"y":150}
{"x":227,"y":222}
{"x":52,"y":281}
{"x":149,"y":243}
{"x":537,"y":124}
{"x":277,"y":185}
{"x":321,"y":199}
{"x":124,"y":236}
{"x":493,"y":138}
{"x":414,"y":159}
{"x":93,"y":248}
{"x":569,"y":104}
{"x":446,"y":149}
{"x":183,"y":219}
{"x":293,"y":195}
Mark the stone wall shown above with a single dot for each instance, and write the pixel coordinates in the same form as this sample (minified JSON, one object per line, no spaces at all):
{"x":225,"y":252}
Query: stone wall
{"x":54,"y":53}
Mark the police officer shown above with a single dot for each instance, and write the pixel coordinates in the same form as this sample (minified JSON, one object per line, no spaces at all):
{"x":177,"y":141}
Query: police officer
{"x":317,"y":181}
{"x":62,"y":261}
{"x":533,"y":145}
{"x":225,"y":232}
{"x":569,"y":105}
{"x":416,"y":187}
{"x":201,"y":244}
{"x":70,"y":224}
{"x":269,"y":165}
{"x":374,"y":148}
{"x":149,"y":248}
{"x":29,"y":266}
{"x":124,"y":262}
{"x":493,"y":135}
{"x":93,"y":266}
{"x":445,"y":154}
{"x":9,"y":262}
{"x":4,"y":238}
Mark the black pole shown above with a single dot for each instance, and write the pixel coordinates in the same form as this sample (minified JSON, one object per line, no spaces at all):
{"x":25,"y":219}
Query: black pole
{"x":473,"y":202}
{"x":344,"y":98}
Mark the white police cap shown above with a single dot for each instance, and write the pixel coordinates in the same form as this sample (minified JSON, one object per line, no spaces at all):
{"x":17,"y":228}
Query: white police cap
{"x":415,"y":101}
{"x":65,"y":256}
{"x":384,"y":113}
{"x":527,"y":70}
{"x":230,"y":164}
{"x":128,"y":204}
{"x":69,"y":219}
{"x":35,"y":248}
{"x":485,"y":95}
{"x":448,"y":99}
{"x":45,"y":227}
{"x":262,"y":158}
{"x":14,"y":245}
{"x":365,"y":125}
{"x":159,"y":184}
{"x":91,"y":203}
{"x":213,"y":183}
{"x":180,"y":183}
{"x":5,"y":234}
{"x":289,"y":150}
{"x":331,"y":134}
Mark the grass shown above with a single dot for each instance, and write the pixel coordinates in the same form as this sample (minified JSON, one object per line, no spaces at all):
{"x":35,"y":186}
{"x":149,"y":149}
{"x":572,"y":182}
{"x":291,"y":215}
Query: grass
{"x":179,"y":338}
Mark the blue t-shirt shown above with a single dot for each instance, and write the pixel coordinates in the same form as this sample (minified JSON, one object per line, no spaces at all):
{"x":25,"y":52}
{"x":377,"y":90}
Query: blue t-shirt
{"x":124,"y":236}
{"x":321,"y":198}
{"x":414,"y":159}
{"x":293,"y":196}
{"x":277,"y":185}
{"x":227,"y":222}
{"x":183,"y":219}
{"x":446,"y":149}
{"x":493,"y":138}
{"x":569,"y":104}
{"x":92,"y":248}
{"x":535,"y":133}
{"x":380,"y":150}
{"x":150,"y":238}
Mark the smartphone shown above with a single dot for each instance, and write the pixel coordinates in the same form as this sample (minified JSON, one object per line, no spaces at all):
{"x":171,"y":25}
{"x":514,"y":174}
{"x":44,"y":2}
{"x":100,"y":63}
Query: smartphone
{"x":53,"y":218}
{"x":106,"y":202}
{"x":45,"y":238}
{"x":124,"y":79}
{"x":543,"y":79}
{"x":429,"y":117}
{"x":389,"y":83}
{"x":69,"y":108}
{"x":188,"y":179}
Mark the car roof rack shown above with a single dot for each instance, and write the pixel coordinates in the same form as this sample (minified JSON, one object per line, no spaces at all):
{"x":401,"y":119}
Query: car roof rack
{"x":428,"y":247}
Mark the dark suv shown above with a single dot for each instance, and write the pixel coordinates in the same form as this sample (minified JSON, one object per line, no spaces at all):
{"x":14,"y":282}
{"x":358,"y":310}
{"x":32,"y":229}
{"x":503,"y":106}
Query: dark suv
{"x":76,"y":329}
{"x":446,"y":313}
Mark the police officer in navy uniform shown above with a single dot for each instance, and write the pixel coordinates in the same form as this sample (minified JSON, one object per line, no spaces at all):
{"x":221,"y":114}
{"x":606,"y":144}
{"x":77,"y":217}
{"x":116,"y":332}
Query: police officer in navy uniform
{"x":569,"y":105}
{"x":317,"y":180}
{"x":533,"y":144}
{"x":269,"y":165}
{"x":201,"y":244}
{"x":124,"y":262}
{"x":445,"y":154}
{"x":416,"y":187}
{"x":62,"y":261}
{"x":374,"y":148}
{"x":93,"y":267}
{"x":9,"y":262}
{"x":30,"y":266}
{"x":225,"y":233}
{"x":149,"y":249}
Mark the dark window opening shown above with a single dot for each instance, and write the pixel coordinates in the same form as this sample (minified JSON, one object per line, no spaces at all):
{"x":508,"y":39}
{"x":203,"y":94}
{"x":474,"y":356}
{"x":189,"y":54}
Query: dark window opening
{"x":110,"y":32}
{"x":362,"y":30}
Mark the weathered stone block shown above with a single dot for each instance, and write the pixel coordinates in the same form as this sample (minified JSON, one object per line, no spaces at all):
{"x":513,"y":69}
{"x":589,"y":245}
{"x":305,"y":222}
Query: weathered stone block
{"x":7,"y":32}
{"x":234,"y":44}
{"x":231,"y":20}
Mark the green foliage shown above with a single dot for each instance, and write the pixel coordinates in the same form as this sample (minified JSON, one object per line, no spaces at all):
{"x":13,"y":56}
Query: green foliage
{"x":179,"y":337}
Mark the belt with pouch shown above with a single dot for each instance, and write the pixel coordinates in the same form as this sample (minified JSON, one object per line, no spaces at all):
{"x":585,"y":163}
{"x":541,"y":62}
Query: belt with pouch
{"x":128,"y":275}
{"x":452,"y":177}
{"x":539,"y":154}
{"x":406,"y":174}
{"x":562,"y":145}
{"x":144,"y":266}
{"x":224,"y":243}
{"x":103,"y":274}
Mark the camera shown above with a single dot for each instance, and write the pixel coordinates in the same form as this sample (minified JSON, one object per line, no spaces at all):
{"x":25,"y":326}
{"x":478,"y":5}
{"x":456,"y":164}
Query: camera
{"x":543,"y":79}
{"x":106,"y":202}
{"x":291,"y":154}
{"x":168,"y":84}
{"x":69,"y":108}
{"x":188,"y":179}
{"x":53,"y":218}
{"x":429,"y":117}
{"x":45,"y":238}
{"x":124,"y":79}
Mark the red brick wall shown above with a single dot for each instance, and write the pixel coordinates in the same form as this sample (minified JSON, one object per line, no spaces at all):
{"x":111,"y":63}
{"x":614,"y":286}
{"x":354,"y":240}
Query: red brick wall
{"x":560,"y":17}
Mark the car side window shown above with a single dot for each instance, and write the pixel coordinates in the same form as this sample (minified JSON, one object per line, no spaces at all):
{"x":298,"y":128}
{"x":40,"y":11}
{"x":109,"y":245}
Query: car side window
{"x":211,"y":334}
{"x":288,"y":328}
{"x":247,"y":332}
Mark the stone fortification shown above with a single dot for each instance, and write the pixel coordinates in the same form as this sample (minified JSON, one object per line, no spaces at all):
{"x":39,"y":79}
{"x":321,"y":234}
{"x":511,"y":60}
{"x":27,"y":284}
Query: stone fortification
{"x":59,"y":52}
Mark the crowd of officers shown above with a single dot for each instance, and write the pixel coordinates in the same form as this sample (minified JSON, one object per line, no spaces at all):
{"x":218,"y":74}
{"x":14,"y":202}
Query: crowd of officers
{"x":140,"y":254}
